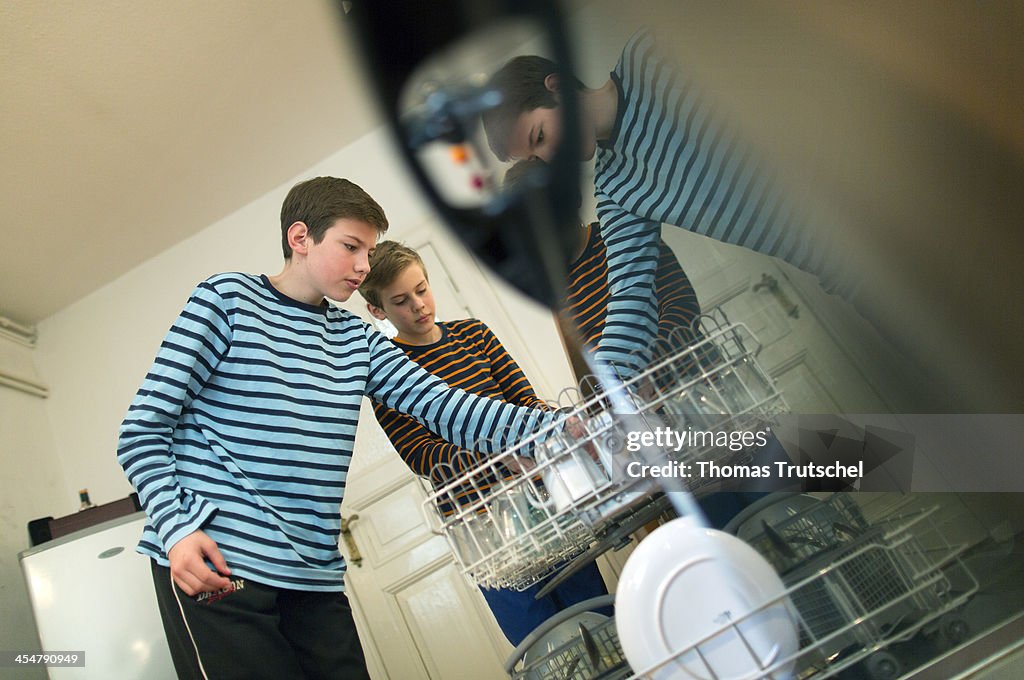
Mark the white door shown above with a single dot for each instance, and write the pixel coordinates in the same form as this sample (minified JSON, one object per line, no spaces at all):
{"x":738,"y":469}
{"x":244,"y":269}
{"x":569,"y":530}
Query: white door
{"x":418,"y":615}
{"x":823,"y":356}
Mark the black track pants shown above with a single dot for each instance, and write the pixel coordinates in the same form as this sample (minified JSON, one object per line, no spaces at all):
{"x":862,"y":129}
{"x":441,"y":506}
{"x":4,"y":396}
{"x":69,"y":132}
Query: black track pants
{"x":251,"y":631}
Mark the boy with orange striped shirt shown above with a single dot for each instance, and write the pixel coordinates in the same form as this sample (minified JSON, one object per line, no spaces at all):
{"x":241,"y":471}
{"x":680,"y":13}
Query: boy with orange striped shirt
{"x":465,"y":354}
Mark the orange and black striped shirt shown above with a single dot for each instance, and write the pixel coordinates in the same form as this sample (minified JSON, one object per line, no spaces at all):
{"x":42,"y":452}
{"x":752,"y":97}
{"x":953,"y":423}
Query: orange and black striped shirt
{"x":471,"y":357}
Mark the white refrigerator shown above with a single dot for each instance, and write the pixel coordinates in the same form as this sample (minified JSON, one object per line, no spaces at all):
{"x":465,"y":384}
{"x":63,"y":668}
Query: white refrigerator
{"x":92,"y":592}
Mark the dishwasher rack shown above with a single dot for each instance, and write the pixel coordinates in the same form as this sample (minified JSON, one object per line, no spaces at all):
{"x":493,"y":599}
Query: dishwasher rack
{"x":588,"y":654}
{"x":574,"y":485}
{"x":882,"y":586}
{"x":819,"y":527}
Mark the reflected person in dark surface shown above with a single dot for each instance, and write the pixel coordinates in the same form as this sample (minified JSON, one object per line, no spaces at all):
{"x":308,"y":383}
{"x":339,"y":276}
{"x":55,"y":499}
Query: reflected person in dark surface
{"x":662,"y":154}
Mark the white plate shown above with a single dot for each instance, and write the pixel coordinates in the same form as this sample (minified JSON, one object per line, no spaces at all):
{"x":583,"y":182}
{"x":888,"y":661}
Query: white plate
{"x":682,"y":586}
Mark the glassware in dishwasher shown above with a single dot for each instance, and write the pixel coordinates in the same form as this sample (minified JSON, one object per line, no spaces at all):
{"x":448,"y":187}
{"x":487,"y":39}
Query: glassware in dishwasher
{"x":582,"y":481}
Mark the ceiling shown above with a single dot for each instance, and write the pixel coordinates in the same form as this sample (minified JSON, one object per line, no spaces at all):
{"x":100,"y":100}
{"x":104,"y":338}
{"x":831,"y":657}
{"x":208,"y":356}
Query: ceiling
{"x":127,"y":127}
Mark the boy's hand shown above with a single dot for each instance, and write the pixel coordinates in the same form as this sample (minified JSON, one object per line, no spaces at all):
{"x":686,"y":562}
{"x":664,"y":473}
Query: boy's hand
{"x":520,"y":465}
{"x":575,"y":427}
{"x":188,"y":568}
{"x":577,"y":430}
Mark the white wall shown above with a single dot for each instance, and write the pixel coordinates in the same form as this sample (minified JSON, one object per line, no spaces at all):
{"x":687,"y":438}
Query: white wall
{"x":32,"y":485}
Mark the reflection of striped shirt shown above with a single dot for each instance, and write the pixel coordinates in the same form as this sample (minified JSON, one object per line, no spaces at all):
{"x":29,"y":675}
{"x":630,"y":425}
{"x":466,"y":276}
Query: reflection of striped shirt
{"x":670,"y":161}
{"x":245,"y":424}
{"x":586,"y":302}
{"x":468,"y":356}
{"x":631,"y":315}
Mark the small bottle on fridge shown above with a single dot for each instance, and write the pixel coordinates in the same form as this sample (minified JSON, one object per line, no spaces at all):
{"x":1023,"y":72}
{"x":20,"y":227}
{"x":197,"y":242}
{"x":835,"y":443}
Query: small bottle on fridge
{"x":83,"y":495}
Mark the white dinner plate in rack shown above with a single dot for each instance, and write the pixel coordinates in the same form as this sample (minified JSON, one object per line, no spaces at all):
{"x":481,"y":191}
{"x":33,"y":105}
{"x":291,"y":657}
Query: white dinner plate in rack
{"x":696,"y":603}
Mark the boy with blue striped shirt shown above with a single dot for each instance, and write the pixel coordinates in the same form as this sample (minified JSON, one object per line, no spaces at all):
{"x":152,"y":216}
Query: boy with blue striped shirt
{"x":661,"y":156}
{"x":240,"y":438}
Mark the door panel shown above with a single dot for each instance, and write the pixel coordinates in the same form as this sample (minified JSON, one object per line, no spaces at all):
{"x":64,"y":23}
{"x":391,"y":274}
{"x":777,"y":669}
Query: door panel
{"x":443,"y":588}
{"x":412,"y":603}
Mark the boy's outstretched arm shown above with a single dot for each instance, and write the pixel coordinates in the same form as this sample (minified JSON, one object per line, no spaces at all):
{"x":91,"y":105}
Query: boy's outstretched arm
{"x":424,"y":452}
{"x":466,"y":420}
{"x":515,"y":386}
{"x":678,"y":305}
{"x":631,"y":319}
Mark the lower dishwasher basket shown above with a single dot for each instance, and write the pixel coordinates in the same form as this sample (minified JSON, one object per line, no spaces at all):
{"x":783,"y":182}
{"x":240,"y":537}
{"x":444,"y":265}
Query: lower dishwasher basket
{"x":591,"y":654}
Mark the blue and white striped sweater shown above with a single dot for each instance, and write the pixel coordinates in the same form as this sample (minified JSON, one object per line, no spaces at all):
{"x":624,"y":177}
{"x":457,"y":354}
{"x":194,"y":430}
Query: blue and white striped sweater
{"x":671,"y":161}
{"x":245,"y":424}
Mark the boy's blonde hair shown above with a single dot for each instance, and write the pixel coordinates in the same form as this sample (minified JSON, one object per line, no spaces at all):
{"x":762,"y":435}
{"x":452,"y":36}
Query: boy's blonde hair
{"x":387,"y":261}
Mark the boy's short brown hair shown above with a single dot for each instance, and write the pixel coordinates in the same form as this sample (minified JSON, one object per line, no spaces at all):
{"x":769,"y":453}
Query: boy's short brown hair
{"x":322,"y":201}
{"x":522,"y":88}
{"x":387,"y":261}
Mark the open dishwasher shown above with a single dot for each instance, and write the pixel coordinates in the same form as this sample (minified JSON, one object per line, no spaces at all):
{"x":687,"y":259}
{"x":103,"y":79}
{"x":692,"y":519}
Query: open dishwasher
{"x":831,"y":590}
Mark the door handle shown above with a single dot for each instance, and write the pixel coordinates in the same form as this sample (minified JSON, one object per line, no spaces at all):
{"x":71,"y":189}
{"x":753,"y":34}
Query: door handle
{"x":772,"y":285}
{"x":354,"y":557}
